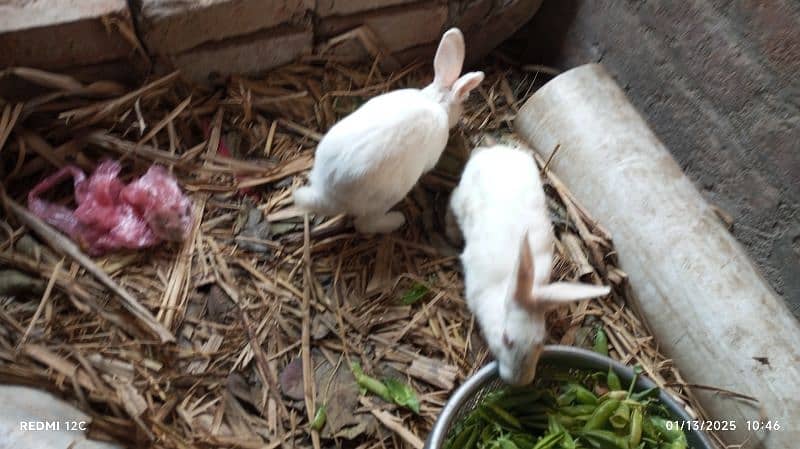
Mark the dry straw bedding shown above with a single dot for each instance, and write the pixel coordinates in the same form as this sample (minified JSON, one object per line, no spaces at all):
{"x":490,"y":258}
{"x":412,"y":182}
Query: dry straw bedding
{"x":260,"y":294}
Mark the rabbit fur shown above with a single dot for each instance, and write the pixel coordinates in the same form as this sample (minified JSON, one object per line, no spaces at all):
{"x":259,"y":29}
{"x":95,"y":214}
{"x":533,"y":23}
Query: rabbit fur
{"x":370,"y":160}
{"x":499,"y":209}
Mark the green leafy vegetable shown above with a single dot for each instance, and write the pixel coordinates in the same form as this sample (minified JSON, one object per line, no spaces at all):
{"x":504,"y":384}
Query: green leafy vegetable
{"x":319,"y":418}
{"x":370,"y":384}
{"x":636,"y":427}
{"x":549,"y":441}
{"x":621,"y":416}
{"x":636,"y":371}
{"x":613,"y":380}
{"x":604,"y":439}
{"x":561,"y":411}
{"x":601,"y":414}
{"x":391,"y":390}
{"x":646,"y":394}
{"x":584,"y":396}
{"x":601,"y":342}
{"x":402,"y":394}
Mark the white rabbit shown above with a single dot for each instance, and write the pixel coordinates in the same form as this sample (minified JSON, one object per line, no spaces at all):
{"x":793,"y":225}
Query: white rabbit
{"x":372,"y":158}
{"x":499,"y":207}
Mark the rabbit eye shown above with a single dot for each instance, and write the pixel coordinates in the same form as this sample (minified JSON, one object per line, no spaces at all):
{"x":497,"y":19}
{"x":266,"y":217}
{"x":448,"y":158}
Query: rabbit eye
{"x":507,"y":341}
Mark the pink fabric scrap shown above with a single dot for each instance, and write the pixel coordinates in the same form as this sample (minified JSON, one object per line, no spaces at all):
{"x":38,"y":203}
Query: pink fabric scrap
{"x":111,"y":215}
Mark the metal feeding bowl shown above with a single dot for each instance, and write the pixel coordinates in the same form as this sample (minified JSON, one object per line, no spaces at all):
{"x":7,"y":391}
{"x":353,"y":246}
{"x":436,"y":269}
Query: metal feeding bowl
{"x":486,"y":380}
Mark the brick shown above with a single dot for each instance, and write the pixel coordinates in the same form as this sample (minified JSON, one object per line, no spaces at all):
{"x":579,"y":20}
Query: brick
{"x":347,"y":51}
{"x":119,"y":70}
{"x":327,"y":8}
{"x":249,"y":54}
{"x":53,"y":34}
{"x":485,"y":24}
{"x":466,"y":14}
{"x":397,"y":28}
{"x":420,"y":53}
{"x":14,"y":89}
{"x":172,"y":26}
{"x":483,"y":36}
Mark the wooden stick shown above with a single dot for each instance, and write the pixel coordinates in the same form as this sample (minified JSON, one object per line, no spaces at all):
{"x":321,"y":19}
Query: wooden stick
{"x":45,"y":298}
{"x":171,"y":116}
{"x":391,"y":423}
{"x":308,"y":367}
{"x":66,"y":246}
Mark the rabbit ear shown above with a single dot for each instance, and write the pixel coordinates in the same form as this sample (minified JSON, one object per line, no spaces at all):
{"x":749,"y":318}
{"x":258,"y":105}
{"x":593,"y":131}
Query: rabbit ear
{"x":449,"y":58}
{"x":552,"y":295}
{"x":464,"y":85}
{"x":524,"y":278}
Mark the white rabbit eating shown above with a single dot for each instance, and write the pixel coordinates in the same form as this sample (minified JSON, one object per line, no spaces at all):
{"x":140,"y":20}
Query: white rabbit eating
{"x":372,"y":158}
{"x":499,"y":207}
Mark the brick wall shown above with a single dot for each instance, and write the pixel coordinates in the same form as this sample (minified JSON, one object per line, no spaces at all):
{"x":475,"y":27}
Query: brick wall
{"x":209,"y":38}
{"x":717,"y":80}
{"x":86,"y":37}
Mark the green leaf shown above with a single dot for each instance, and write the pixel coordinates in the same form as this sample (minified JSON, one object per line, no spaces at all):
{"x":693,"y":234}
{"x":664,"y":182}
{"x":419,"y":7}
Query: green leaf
{"x":507,"y":443}
{"x":613,"y":380}
{"x":604,"y":439}
{"x":370,"y":384}
{"x":601,"y":342}
{"x":549,"y":441}
{"x":319,"y":418}
{"x":646,"y":394}
{"x":414,"y":294}
{"x":637,"y":370}
{"x":402,"y":394}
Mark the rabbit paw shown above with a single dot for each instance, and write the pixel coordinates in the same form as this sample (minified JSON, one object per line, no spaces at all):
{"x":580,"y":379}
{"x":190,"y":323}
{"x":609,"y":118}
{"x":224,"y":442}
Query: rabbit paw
{"x":379,"y":224}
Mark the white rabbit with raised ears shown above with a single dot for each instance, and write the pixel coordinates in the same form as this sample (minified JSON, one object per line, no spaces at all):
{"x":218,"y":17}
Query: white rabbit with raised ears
{"x":372,"y":158}
{"x":499,"y":208}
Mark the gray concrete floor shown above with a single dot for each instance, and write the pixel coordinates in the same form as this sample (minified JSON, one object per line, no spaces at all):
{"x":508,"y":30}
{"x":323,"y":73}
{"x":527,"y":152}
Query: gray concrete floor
{"x":717,"y":80}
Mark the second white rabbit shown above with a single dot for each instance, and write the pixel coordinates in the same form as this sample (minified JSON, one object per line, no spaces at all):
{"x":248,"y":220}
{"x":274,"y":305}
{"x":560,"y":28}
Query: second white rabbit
{"x":499,"y":207}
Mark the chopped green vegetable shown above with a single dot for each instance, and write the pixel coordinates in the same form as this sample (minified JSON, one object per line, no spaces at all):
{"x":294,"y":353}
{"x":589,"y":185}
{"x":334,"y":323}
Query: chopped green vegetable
{"x":604,"y":439}
{"x":615,"y":394}
{"x":370,"y":384}
{"x":577,"y":410}
{"x":613,"y":380}
{"x":636,"y":427}
{"x":473,"y":438}
{"x":467,"y":437}
{"x":601,"y":342}
{"x":646,"y":394}
{"x":601,"y":414}
{"x":636,"y":371}
{"x":568,"y":396}
{"x":391,"y":390}
{"x":560,"y":411}
{"x":568,"y":442}
{"x":621,"y":417}
{"x":549,"y":441}
{"x":402,"y":394}
{"x":584,"y":396}
{"x":670,"y":432}
{"x":319,"y":418}
{"x":503,"y":416}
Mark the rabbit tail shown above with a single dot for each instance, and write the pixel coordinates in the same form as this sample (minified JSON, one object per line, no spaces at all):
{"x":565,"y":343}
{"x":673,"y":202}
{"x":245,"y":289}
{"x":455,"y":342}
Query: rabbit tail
{"x":309,"y":199}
